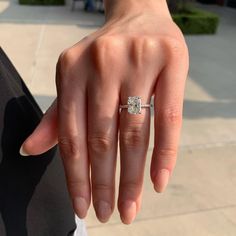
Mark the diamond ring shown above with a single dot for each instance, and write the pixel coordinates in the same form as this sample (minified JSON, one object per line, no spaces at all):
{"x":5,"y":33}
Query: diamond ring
{"x":135,"y":105}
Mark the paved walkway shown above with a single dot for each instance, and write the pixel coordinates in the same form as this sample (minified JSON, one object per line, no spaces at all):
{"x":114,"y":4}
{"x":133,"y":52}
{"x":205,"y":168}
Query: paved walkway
{"x":200,"y":199}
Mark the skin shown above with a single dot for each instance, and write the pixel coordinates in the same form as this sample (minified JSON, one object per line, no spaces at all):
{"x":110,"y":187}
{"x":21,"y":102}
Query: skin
{"x":139,"y":51}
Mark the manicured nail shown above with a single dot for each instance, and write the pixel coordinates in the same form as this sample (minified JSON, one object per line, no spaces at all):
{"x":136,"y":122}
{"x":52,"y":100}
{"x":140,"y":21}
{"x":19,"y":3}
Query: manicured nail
{"x":103,"y":211}
{"x":129,"y":212}
{"x":80,"y":206}
{"x":161,"y":180}
{"x":23,"y":152}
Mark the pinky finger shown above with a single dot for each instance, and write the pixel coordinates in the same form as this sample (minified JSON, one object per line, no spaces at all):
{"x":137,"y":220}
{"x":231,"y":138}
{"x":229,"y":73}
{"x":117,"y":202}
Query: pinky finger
{"x":168,"y":101}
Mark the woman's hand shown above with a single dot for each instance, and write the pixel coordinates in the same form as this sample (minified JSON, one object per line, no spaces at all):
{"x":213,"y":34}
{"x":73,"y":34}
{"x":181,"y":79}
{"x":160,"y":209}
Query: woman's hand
{"x":138,"y":52}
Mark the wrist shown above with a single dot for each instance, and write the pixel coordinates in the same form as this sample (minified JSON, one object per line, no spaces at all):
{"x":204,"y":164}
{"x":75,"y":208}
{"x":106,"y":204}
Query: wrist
{"x":116,"y":9}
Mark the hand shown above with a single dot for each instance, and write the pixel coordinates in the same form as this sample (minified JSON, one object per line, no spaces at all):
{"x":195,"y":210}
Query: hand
{"x":138,"y":52}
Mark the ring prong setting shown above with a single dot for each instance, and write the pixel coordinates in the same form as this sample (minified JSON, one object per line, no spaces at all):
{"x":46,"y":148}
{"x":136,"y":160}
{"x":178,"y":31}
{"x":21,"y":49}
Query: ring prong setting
{"x":134,"y":105}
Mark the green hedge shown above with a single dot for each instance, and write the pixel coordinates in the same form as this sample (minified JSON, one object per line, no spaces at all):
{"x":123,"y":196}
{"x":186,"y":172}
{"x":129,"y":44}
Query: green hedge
{"x":195,"y":21}
{"x":42,"y":2}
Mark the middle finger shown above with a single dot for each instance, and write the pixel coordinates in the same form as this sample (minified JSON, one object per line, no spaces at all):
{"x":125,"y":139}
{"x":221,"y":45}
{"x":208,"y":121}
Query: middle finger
{"x":103,"y":97}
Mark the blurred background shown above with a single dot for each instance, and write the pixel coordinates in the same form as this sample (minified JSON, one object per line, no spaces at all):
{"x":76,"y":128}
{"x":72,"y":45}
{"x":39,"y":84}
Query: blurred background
{"x":201,"y":197}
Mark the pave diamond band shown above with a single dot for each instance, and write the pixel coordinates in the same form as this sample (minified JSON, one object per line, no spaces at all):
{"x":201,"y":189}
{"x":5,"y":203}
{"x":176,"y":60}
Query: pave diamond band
{"x":135,"y":105}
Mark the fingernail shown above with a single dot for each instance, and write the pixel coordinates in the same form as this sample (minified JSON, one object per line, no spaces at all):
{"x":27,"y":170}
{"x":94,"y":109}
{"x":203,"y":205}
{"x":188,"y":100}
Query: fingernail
{"x":80,"y":206}
{"x":129,"y":209}
{"x":161,"y":180}
{"x":103,"y":211}
{"x":23,"y":152}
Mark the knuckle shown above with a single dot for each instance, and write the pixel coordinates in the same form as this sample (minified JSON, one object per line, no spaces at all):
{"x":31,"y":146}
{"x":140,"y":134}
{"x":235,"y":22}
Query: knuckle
{"x":131,"y":187}
{"x":66,"y":58}
{"x":100,"y":143}
{"x":149,"y":42}
{"x":106,"y":43}
{"x":102,"y":187}
{"x":150,"y":47}
{"x":104,"y":50}
{"x":65,"y":64}
{"x":101,"y":43}
{"x":170,"y":116}
{"x":69,"y":147}
{"x":142,"y":48}
{"x":144,"y":43}
{"x":169,"y":152}
{"x":133,"y":137}
{"x":166,"y":155}
{"x":175,"y":47}
{"x":77,"y":185}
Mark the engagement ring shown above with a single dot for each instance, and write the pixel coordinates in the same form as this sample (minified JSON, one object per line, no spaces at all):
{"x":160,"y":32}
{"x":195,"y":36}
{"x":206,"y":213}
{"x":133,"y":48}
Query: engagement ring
{"x":134,"y":105}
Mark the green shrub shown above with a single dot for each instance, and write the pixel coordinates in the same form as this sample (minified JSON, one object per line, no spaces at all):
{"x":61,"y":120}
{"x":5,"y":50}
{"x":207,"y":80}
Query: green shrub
{"x":42,"y":2}
{"x":178,"y":5}
{"x":195,"y":21}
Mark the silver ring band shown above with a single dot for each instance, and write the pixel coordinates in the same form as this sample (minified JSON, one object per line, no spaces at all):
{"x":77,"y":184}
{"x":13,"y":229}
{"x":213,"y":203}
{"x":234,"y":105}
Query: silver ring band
{"x":142,"y":106}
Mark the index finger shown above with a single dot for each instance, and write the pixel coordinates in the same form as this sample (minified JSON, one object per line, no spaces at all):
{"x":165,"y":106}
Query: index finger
{"x":72,"y":134}
{"x":168,"y":106}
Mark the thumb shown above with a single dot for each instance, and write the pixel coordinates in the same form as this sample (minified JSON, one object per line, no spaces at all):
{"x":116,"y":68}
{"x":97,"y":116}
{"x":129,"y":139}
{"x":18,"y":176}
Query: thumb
{"x":44,"y":136}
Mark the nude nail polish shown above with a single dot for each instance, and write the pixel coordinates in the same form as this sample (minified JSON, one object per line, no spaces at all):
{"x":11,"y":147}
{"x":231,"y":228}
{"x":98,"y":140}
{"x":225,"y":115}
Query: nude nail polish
{"x":161,"y":180}
{"x":103,"y":211}
{"x":129,"y":211}
{"x":80,"y":206}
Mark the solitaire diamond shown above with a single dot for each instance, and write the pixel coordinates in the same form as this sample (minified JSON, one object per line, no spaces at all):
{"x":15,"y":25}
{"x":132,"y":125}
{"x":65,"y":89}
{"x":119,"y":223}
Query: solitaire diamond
{"x":134,"y":105}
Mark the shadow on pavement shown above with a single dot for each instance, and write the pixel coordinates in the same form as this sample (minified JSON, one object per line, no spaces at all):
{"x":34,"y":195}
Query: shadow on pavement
{"x":12,"y":12}
{"x":212,"y":57}
{"x":200,"y":110}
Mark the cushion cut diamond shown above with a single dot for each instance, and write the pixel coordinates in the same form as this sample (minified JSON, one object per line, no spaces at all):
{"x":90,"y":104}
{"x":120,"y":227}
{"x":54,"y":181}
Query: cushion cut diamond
{"x":134,"y":105}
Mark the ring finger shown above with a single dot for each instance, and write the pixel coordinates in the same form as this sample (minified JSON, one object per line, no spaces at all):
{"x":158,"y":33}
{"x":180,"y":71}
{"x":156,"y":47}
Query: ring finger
{"x":134,"y":140}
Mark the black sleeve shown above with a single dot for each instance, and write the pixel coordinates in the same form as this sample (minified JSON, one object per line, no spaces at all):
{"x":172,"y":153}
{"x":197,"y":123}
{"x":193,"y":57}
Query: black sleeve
{"x":34,"y":199}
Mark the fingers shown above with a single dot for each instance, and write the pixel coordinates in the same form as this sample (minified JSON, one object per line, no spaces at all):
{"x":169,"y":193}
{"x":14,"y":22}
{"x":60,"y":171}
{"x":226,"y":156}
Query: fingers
{"x":135,"y":128}
{"x":44,"y":136}
{"x":168,"y":118}
{"x":134,"y":140}
{"x":103,"y":101}
{"x":72,"y":136}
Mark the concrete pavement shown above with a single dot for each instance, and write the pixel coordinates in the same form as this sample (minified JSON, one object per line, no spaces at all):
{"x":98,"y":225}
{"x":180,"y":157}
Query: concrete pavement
{"x":201,"y":197}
